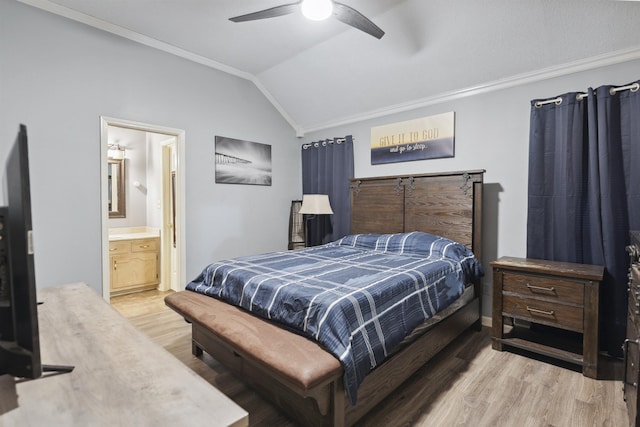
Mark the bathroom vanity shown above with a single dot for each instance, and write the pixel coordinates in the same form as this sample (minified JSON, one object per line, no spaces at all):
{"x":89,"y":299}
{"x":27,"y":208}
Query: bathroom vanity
{"x":134,"y":255}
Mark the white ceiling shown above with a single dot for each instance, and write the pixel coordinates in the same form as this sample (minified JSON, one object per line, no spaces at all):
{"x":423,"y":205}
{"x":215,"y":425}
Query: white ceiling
{"x":320,"y":74}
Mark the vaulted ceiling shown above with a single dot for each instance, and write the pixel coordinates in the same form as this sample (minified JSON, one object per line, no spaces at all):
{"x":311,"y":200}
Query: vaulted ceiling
{"x":320,"y":74}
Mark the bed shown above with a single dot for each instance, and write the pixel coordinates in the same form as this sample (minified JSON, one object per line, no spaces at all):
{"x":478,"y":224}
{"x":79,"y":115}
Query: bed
{"x":298,"y":367}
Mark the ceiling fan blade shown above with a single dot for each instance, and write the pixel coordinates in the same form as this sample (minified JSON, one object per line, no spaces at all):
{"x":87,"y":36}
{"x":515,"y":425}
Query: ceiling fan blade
{"x":284,"y":9}
{"x":350,"y":16}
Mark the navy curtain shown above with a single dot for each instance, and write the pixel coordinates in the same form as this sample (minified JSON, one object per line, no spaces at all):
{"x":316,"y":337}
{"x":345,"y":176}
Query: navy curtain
{"x":556,"y":179}
{"x":327,"y":167}
{"x":584,"y":190}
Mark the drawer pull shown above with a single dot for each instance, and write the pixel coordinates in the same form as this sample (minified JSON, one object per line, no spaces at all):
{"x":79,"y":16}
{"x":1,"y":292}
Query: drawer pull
{"x":535,"y":310}
{"x":540,"y":288}
{"x":143,"y":246}
{"x":113,"y":249}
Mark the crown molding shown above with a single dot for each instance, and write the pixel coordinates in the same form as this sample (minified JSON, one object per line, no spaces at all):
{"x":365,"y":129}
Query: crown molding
{"x":166,"y":47}
{"x":586,"y":64}
{"x":277,"y":106}
{"x":598,"y":61}
{"x":132,"y":35}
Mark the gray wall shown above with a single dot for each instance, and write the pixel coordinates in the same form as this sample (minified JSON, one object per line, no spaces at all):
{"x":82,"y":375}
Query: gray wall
{"x":492,"y":133}
{"x":58,"y":77}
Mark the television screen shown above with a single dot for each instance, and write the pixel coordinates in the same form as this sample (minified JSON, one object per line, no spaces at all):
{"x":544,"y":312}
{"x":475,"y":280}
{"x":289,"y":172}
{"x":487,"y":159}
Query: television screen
{"x":19,"y":338}
{"x":19,"y":335}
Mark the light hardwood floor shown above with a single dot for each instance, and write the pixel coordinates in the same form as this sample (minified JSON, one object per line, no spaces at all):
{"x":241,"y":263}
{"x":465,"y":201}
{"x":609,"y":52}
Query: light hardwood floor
{"x":468,"y":384}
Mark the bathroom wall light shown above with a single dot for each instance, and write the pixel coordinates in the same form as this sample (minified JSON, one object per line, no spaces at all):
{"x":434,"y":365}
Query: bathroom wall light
{"x":115,"y":151}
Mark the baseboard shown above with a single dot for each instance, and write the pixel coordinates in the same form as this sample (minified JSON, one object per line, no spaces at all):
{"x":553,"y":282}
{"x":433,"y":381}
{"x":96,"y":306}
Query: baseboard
{"x":486,"y":321}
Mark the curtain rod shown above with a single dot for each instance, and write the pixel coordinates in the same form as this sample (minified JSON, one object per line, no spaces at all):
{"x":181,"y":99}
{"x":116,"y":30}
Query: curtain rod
{"x":632,"y":87}
{"x":324,"y":142}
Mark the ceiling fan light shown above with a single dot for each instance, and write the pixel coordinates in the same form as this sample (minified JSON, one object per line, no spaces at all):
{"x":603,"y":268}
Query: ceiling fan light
{"x":317,"y":10}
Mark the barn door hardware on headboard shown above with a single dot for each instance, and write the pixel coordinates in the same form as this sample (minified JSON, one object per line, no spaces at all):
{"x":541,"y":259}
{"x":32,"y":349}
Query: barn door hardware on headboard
{"x":356,"y":188}
{"x":467,"y":182}
{"x":399,"y":189}
{"x":410,"y":184}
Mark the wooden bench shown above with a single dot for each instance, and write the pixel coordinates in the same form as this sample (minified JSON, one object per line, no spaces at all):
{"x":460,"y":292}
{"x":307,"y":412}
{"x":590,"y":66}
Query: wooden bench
{"x":295,"y":373}
{"x":250,"y":346}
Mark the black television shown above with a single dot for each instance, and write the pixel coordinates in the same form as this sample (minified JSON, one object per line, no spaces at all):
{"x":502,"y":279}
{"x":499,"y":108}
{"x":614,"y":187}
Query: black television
{"x":19,"y":334}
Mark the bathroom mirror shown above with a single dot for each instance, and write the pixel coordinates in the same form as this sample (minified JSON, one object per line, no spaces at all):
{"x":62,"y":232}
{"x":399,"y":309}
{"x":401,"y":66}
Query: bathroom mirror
{"x":115,"y":189}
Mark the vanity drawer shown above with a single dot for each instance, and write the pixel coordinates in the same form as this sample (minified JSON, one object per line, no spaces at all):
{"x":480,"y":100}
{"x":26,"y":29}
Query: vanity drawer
{"x":144,"y":245}
{"x":119,"y":247}
{"x":550,"y":288}
{"x":544,"y":312}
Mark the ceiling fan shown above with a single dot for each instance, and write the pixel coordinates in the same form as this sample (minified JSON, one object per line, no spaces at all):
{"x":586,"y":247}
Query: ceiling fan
{"x":318,"y":10}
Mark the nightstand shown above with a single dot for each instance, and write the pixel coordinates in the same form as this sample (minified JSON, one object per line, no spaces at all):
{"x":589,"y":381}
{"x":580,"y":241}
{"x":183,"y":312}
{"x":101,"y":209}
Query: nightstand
{"x":552,"y":308}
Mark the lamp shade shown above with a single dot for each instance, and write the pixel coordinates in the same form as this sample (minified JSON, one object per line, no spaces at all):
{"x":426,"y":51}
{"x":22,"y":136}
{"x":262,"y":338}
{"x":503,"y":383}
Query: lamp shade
{"x":317,"y":204}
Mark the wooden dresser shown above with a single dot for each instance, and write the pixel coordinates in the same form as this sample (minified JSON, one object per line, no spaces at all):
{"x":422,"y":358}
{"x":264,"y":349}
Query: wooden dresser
{"x":121,"y":377}
{"x":551,"y":308}
{"x":632,"y":342}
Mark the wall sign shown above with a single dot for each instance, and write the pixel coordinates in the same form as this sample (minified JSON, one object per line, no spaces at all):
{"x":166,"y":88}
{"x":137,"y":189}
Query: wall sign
{"x":426,"y":138}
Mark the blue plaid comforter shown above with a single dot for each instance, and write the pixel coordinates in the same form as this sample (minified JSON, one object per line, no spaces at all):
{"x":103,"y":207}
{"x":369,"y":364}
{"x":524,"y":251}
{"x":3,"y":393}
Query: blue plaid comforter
{"x":359,"y":296}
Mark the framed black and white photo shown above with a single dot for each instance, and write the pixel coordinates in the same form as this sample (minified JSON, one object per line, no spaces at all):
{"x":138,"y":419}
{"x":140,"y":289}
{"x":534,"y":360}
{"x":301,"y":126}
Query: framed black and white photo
{"x":242,"y":162}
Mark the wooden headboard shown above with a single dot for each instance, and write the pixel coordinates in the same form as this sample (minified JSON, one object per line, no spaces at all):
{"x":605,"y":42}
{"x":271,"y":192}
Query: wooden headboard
{"x":448,"y":204}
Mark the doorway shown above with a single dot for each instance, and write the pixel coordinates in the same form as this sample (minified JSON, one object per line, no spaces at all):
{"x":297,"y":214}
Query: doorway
{"x":163,"y":193}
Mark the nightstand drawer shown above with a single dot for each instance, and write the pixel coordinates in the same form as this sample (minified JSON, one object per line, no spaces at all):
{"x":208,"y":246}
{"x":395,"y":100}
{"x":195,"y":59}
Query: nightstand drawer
{"x":546,"y":287}
{"x":548,"y":313}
